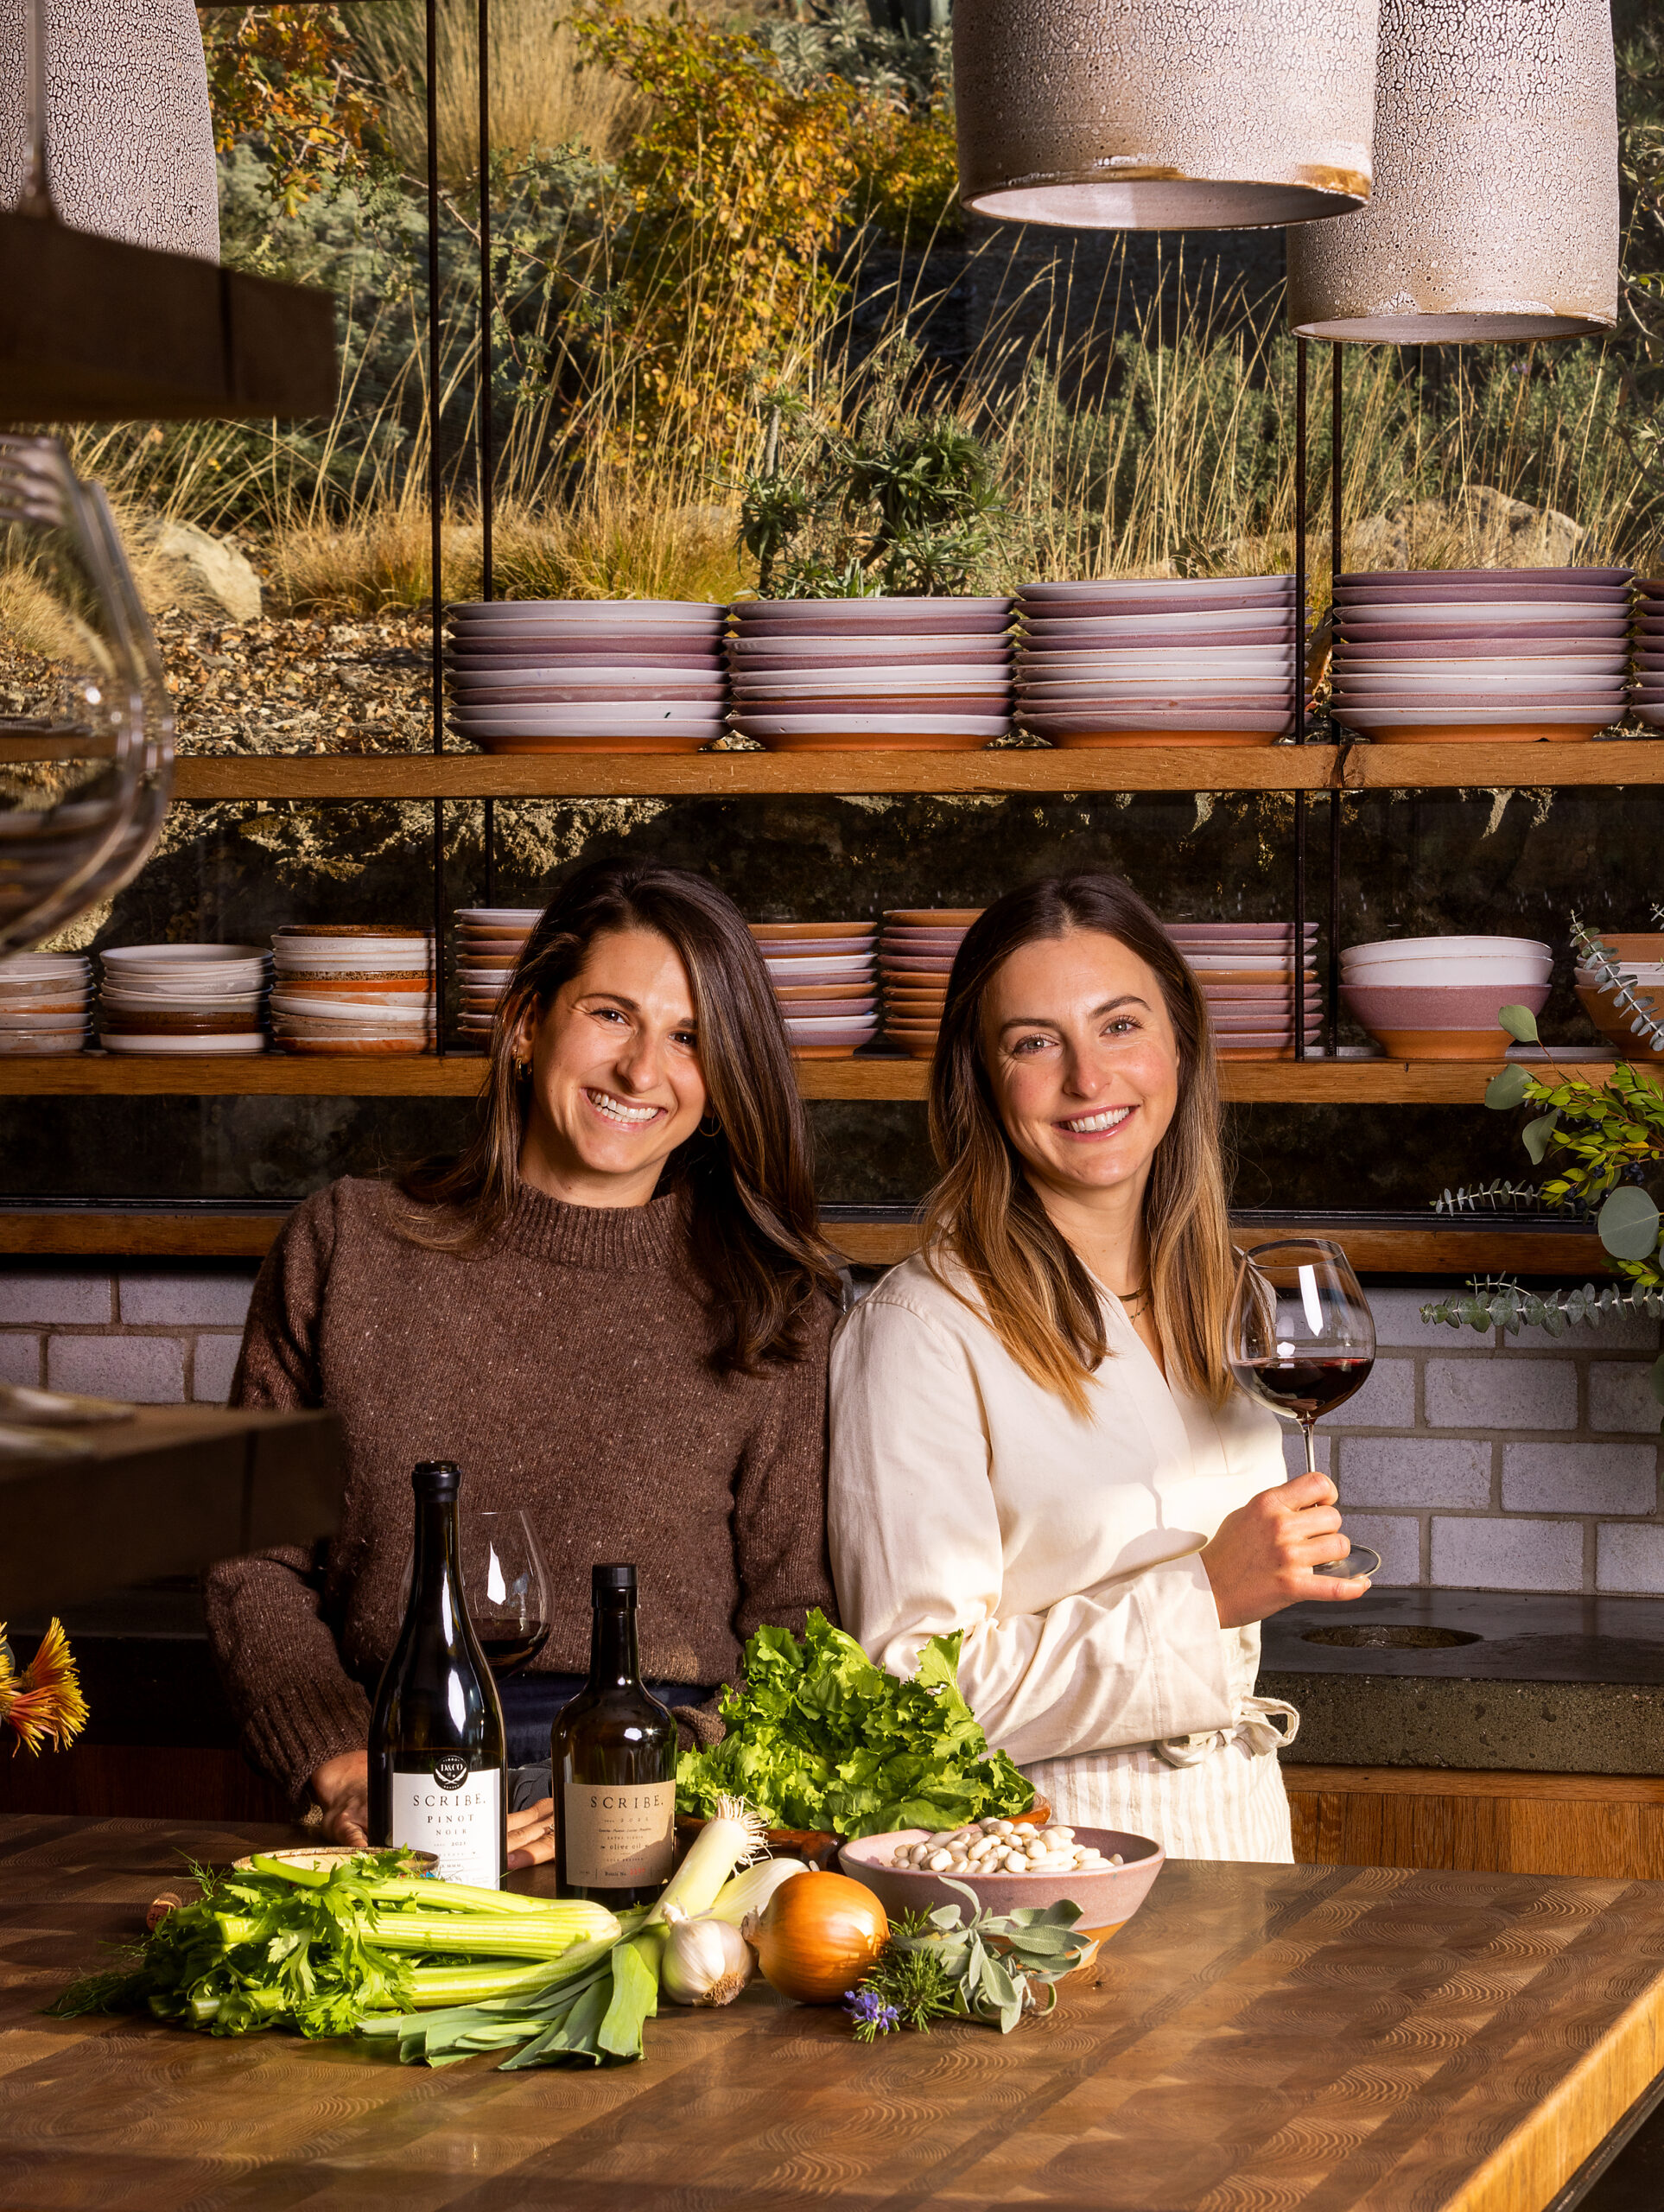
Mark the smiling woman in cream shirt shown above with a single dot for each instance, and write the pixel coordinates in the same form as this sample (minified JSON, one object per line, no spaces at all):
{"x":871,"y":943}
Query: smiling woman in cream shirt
{"x":1036,"y":1439}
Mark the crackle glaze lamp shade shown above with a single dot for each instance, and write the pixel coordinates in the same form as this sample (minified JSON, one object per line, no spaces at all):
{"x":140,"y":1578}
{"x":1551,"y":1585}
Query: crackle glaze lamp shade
{"x":1495,"y":214}
{"x":128,"y":126}
{"x":1165,"y":114}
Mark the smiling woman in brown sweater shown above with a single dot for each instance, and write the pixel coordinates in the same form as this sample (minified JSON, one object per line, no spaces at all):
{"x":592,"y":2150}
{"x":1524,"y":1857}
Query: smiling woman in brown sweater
{"x":612,"y":1313}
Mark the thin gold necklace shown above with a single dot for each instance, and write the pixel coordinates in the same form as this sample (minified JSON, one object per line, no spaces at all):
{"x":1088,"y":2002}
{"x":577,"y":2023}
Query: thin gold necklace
{"x":1131,"y":1298}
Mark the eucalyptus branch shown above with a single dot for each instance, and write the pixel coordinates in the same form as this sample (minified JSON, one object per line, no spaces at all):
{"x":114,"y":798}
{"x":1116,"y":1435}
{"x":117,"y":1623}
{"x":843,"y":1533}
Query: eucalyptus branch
{"x":1499,"y":1196}
{"x":1594,"y":955}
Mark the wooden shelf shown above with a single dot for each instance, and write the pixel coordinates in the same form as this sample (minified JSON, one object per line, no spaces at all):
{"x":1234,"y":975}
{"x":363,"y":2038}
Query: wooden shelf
{"x":731,"y":775}
{"x":217,"y":1233}
{"x":458,"y":1075}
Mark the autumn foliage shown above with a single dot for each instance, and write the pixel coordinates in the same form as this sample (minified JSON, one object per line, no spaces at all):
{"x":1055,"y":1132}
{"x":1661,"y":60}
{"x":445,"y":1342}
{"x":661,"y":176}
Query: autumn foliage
{"x":285,"y":76}
{"x":741,"y":187}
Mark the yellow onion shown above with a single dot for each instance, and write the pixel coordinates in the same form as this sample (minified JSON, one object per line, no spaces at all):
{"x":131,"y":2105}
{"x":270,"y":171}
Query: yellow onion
{"x":818,"y":1935}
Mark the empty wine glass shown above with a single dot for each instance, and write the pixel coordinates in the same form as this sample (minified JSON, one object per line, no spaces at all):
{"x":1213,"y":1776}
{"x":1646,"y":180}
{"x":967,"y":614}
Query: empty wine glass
{"x":504,"y":1583}
{"x":1302,"y":1340}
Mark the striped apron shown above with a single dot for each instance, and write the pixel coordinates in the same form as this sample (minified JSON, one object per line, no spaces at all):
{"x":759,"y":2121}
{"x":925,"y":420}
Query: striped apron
{"x":1218,"y":1795}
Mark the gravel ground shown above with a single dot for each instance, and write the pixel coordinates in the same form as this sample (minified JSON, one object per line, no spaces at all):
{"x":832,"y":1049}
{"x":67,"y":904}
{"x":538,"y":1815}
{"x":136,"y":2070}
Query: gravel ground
{"x":299,"y":684}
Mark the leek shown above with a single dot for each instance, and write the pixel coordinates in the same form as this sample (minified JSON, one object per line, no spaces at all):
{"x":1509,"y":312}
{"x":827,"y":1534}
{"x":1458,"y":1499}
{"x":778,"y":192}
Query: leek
{"x":750,"y":1891}
{"x":732,"y":1838}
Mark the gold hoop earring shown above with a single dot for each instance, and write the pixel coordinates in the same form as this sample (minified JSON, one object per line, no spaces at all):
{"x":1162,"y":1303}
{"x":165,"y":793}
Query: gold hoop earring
{"x":710,"y":1126}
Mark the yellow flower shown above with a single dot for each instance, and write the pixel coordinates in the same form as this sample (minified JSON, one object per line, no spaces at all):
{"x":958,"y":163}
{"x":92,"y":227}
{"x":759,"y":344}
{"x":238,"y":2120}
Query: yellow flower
{"x":44,"y":1701}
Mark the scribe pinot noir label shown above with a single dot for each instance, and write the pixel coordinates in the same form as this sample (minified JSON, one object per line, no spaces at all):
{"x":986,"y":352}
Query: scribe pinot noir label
{"x":455,"y":1811}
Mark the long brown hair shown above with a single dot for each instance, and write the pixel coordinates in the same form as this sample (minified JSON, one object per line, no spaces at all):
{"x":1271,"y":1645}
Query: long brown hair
{"x":749,"y":1183}
{"x":984,"y":1212}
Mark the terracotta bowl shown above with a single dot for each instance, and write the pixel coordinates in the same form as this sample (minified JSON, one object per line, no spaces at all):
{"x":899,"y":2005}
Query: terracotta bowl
{"x":1107,"y":1896}
{"x":1438,"y":1006}
{"x":1613,"y":1024}
{"x":819,"y":1845}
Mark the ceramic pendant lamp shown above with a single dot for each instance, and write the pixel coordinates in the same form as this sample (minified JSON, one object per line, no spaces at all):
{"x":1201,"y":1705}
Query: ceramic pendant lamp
{"x":1495,"y":214}
{"x":129,"y":130}
{"x":1158,"y":114}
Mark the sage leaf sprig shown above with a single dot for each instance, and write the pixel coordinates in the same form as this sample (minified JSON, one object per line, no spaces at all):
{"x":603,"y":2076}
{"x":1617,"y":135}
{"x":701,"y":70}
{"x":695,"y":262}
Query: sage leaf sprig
{"x":994,"y":1968}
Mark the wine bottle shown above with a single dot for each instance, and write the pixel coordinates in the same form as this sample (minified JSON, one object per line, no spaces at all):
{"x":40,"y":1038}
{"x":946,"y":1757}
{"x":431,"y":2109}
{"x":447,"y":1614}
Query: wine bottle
{"x":612,"y":1755}
{"x":436,"y":1743}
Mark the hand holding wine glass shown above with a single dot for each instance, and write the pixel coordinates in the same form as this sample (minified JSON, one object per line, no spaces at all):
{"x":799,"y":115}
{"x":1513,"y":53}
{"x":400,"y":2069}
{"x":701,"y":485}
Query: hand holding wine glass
{"x":1303,"y":1341}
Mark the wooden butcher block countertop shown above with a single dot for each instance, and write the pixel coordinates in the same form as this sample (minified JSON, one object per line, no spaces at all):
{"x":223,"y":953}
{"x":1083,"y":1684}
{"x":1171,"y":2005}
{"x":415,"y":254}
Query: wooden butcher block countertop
{"x":1257,"y":2038}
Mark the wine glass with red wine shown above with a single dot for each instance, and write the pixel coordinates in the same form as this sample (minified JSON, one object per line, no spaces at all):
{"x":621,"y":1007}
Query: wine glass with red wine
{"x":504,"y":1583}
{"x":1303,"y":1340}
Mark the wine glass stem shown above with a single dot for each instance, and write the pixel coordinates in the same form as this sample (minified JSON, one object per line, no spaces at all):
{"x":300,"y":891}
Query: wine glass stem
{"x":1308,"y":1430}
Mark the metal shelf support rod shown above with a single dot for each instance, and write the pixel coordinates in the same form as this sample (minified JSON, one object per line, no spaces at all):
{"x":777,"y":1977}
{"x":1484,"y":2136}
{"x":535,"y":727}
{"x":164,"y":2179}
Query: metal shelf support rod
{"x":1296,"y":995}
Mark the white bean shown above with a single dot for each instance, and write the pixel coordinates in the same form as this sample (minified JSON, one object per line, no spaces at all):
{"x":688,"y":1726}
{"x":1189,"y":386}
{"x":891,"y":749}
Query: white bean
{"x":936,"y":1862}
{"x":1117,"y":1861}
{"x":1002,"y":1827}
{"x":957,"y":1862}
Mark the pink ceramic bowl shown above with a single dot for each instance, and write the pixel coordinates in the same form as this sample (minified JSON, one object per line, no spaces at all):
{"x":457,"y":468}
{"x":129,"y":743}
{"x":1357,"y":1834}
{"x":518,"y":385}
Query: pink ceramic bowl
{"x":1438,"y":1006}
{"x":1107,"y":1896}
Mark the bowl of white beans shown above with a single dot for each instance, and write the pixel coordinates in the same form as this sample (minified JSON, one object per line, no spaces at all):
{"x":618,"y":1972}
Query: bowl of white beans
{"x":1006,"y":1863}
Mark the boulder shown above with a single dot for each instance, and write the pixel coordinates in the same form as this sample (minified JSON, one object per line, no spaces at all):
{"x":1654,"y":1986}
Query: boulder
{"x":215,"y":569}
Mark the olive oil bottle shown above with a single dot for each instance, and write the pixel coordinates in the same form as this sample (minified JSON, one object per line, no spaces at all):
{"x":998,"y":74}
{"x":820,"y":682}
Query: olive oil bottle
{"x":612,"y":1759}
{"x":436,"y":1743}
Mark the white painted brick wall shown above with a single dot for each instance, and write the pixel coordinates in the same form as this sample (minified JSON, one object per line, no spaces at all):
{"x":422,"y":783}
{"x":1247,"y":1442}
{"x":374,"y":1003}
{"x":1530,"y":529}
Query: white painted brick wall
{"x":154,"y":1335}
{"x":1497,"y":1392}
{"x":1468,"y":1460}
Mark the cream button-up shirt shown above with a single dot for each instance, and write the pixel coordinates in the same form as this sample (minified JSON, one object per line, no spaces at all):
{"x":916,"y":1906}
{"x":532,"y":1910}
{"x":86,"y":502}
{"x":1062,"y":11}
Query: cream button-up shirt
{"x":963,"y":1496}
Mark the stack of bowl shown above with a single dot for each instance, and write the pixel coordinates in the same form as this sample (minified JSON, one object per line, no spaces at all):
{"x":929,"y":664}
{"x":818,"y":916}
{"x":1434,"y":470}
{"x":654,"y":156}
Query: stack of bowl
{"x":902,"y":674}
{"x":1427,"y":656}
{"x":1246,"y":973}
{"x":184,"y":998}
{"x":1638,"y":955}
{"x":1186,"y":661}
{"x":1437,"y":998}
{"x":44,"y":1001}
{"x":489,"y":941}
{"x":352,"y":987}
{"x":916,"y":957}
{"x":822,"y":974}
{"x":1647,"y":697}
{"x":586,"y":676}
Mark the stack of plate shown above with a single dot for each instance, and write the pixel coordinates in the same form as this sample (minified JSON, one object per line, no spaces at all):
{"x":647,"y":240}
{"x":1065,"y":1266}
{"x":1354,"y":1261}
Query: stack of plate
{"x":848,"y":674}
{"x":1246,"y":973}
{"x":489,"y":941}
{"x":586,"y":675}
{"x":914,"y":957}
{"x":354,"y":987}
{"x":1429,"y":656}
{"x":184,"y":998}
{"x":1639,"y":956}
{"x":1437,"y":998}
{"x":1191,"y":661}
{"x":1648,"y":693}
{"x":822,"y":976}
{"x":44,"y":1000}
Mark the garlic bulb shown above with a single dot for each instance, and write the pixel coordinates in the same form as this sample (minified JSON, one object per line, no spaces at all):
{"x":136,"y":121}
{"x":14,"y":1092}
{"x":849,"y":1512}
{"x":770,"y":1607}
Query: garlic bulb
{"x":706,"y":1962}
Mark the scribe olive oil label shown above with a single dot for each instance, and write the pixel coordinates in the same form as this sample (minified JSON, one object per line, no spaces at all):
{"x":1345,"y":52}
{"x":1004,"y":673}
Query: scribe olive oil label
{"x":619,"y":1835}
{"x":450,"y":1809}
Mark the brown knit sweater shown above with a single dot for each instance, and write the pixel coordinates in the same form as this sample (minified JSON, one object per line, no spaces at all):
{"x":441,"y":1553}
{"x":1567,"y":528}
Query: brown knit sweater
{"x":564,"y":1366}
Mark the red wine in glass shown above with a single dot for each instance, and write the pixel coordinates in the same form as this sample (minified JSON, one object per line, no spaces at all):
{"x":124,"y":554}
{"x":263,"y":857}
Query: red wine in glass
{"x":1302,"y":1340}
{"x":1305,"y":1389}
{"x":504,"y":1582}
{"x":506,"y":1653}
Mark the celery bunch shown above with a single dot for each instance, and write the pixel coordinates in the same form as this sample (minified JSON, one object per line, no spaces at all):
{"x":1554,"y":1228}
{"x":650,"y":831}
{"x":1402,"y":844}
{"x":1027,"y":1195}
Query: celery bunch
{"x":281,"y":1945}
